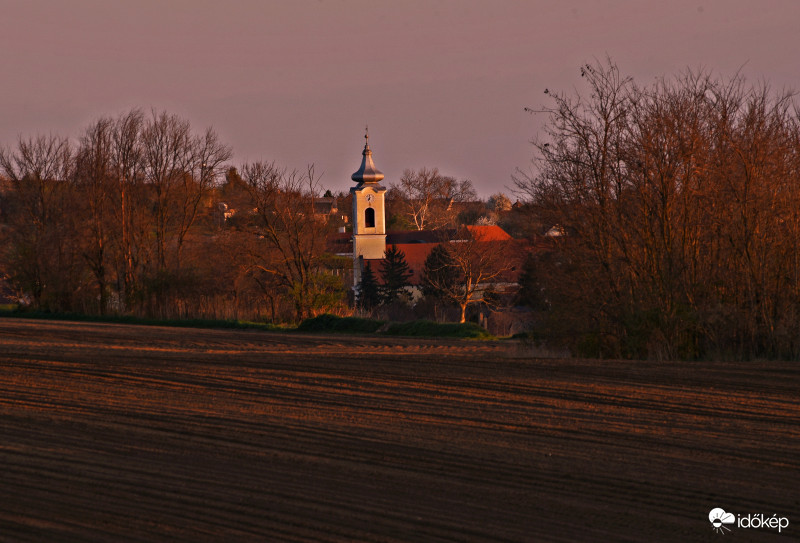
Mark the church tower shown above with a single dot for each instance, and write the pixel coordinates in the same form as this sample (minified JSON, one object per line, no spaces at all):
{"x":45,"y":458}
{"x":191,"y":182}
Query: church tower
{"x":369,"y":216}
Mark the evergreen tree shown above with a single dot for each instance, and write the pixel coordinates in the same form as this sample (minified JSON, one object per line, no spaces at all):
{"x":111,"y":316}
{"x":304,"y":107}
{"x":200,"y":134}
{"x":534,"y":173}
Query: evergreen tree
{"x":395,"y":274}
{"x":531,"y":288}
{"x":440,"y":274}
{"x":369,"y":293}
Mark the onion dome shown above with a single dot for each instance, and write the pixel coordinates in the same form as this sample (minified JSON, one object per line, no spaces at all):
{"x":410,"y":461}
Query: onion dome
{"x":367,"y":173}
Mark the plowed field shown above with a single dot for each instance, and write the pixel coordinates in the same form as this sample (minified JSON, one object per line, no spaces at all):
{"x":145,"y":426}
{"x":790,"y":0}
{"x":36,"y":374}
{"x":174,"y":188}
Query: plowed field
{"x":116,"y":433}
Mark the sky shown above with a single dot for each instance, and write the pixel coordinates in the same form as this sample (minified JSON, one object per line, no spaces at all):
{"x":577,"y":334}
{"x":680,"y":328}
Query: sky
{"x":441,"y":83}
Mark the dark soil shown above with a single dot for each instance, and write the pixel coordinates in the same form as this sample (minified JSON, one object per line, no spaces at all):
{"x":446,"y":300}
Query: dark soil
{"x":120,"y":432}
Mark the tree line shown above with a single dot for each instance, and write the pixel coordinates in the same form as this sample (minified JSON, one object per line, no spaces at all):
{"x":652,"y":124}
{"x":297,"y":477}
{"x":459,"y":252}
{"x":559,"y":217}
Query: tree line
{"x":677,"y":209}
{"x":109,"y":217}
{"x":143,"y":215}
{"x":127,"y":221}
{"x":663,"y":221}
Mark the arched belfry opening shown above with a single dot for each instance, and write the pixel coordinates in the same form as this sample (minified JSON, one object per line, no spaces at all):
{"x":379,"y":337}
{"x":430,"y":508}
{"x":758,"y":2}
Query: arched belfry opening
{"x":369,"y":215}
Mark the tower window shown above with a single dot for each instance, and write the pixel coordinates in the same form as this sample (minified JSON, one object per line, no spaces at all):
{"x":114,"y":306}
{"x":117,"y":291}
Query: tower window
{"x":369,"y":218}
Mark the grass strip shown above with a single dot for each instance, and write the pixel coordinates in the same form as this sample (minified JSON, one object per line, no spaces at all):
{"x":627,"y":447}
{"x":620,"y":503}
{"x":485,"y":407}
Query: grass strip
{"x":341,"y":325}
{"x":130,"y":319}
{"x":423,"y":328}
{"x":321,"y":324}
{"x":420,"y":328}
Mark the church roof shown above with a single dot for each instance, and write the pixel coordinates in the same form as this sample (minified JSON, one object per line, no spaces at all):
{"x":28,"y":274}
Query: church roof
{"x":415,"y":236}
{"x":480,"y":233}
{"x":416,"y":253}
{"x":419,"y":242}
{"x":367,"y":173}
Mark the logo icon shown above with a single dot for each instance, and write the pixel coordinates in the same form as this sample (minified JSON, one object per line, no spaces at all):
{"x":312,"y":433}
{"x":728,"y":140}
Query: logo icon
{"x":719,"y":518}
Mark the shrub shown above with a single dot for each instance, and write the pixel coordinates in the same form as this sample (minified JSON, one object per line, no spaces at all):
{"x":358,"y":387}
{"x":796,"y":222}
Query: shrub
{"x":332,"y":323}
{"x":423,"y":328}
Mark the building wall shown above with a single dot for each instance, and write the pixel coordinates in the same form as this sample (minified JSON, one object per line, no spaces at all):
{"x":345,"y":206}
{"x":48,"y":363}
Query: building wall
{"x":369,"y":242}
{"x":361,"y":203}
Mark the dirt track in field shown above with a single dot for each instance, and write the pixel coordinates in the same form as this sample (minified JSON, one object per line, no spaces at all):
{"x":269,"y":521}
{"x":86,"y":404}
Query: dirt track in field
{"x":116,"y":432}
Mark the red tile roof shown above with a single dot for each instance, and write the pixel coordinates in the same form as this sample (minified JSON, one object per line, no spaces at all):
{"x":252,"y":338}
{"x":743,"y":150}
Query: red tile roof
{"x":488,"y":233}
{"x":417,"y":245}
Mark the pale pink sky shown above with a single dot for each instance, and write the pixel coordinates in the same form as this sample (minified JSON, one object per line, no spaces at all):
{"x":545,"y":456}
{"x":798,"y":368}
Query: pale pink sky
{"x":441,"y":83}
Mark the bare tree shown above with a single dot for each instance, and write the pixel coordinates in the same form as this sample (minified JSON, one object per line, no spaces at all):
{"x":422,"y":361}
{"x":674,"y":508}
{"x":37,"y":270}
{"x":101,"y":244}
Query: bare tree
{"x":678,"y":204}
{"x":167,"y":159}
{"x":292,"y":237}
{"x":130,"y":204}
{"x":579,"y":174}
{"x":38,"y":171}
{"x":208,"y":160}
{"x":470,"y":269}
{"x":755,"y":174}
{"x":425,"y":197}
{"x":179,"y":168}
{"x":113,"y":219}
{"x":95,"y":183}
